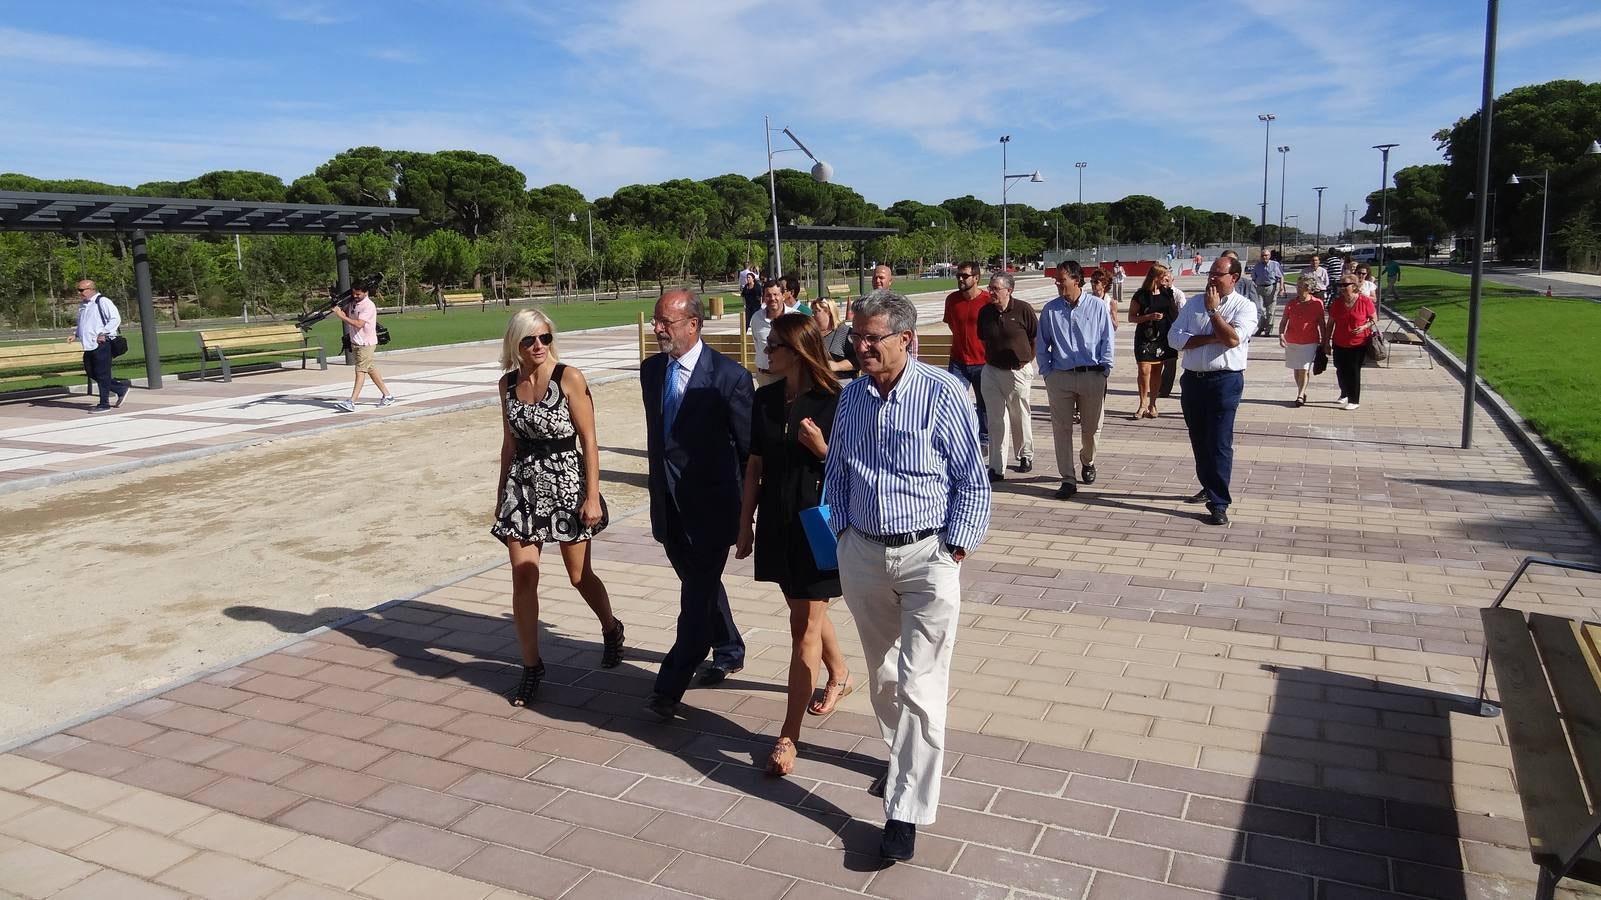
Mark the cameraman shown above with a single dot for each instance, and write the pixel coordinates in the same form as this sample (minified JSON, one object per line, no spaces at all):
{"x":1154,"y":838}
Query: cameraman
{"x":361,"y":327}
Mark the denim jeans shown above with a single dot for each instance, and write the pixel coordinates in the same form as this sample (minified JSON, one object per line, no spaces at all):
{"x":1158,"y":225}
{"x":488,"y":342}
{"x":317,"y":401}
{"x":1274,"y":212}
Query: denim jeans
{"x":973,"y":375}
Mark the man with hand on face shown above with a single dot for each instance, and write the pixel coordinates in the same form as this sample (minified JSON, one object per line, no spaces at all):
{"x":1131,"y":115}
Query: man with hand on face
{"x":1073,"y":348}
{"x":1212,"y":333}
{"x":774,"y":304}
{"x":908,"y":499}
{"x":697,"y":425}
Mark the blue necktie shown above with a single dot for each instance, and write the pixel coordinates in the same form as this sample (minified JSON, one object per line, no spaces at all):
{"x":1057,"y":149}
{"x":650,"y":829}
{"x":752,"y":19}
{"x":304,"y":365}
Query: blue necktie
{"x":673,"y":396}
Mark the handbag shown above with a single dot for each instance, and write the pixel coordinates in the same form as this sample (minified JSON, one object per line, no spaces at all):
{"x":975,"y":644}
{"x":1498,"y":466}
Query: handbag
{"x":820,"y":535}
{"x":1320,"y":362}
{"x":383,"y":334}
{"x":1378,"y":348}
{"x":119,"y":344}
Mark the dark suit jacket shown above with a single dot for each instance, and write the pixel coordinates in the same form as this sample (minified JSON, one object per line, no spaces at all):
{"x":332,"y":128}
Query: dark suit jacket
{"x":708,"y":447}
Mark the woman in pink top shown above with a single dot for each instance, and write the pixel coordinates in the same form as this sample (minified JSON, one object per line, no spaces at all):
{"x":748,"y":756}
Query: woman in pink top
{"x":1300,"y":334}
{"x":1353,"y":316}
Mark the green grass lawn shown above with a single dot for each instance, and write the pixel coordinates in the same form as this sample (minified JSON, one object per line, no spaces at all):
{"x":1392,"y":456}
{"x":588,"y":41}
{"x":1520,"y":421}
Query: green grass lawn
{"x":1536,"y":351}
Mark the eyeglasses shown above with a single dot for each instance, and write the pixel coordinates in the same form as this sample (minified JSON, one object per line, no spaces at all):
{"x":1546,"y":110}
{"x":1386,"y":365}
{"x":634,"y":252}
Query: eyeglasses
{"x":81,"y":290}
{"x":774,"y":345}
{"x":1219,"y":274}
{"x":1348,"y":284}
{"x":660,"y":322}
{"x":528,"y":340}
{"x":961,"y":275}
{"x":868,"y":340}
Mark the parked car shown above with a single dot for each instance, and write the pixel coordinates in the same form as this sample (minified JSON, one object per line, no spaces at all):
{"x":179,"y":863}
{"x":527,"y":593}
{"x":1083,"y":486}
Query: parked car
{"x":1366,"y":254}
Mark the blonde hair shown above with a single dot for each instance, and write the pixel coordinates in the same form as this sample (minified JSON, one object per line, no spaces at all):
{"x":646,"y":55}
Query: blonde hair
{"x":522,"y":325}
{"x":833,"y":311}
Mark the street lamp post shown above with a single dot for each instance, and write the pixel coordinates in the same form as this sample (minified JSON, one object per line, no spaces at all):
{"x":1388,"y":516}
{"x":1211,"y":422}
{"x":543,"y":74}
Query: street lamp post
{"x":594,"y":286}
{"x":1545,"y":204}
{"x":1080,"y":166}
{"x":1481,"y":180}
{"x":1006,"y":185}
{"x":1319,"y":239}
{"x":1384,"y":203}
{"x":821,"y":172}
{"x":1266,"y":119}
{"x":1290,"y":223}
{"x":1284,"y":168}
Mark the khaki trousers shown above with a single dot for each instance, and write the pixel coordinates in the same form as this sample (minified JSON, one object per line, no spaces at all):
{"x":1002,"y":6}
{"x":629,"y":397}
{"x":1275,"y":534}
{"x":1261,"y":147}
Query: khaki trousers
{"x":1006,"y":405}
{"x":906,"y":601}
{"x":1084,"y":393}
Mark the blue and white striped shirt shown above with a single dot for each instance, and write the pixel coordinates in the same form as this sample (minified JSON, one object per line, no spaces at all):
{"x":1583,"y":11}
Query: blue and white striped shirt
{"x":909,"y":461}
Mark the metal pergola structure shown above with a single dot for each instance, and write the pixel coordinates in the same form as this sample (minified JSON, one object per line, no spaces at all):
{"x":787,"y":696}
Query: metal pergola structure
{"x":138,"y":216}
{"x":821,"y":234}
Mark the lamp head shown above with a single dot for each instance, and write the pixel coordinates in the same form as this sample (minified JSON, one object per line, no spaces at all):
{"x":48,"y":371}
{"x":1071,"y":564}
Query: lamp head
{"x":1512,"y":180}
{"x":1036,"y":177}
{"x":572,"y":217}
{"x":1595,"y":148}
{"x":822,"y":172}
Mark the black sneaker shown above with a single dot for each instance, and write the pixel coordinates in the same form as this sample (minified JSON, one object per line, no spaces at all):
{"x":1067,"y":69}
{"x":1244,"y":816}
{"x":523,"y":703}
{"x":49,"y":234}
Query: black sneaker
{"x":1066,"y":491}
{"x":1027,"y":465}
{"x":899,"y":841}
{"x":99,"y":409}
{"x":1197,"y":497}
{"x":122,"y":391}
{"x":715,"y":674}
{"x":1089,"y":474}
{"x":661,"y":707}
{"x":1217,"y":515}
{"x":996,"y":476}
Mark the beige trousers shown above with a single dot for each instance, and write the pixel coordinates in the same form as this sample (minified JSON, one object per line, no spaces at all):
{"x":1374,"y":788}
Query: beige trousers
{"x":1006,"y":406}
{"x":905,"y":601}
{"x":1084,"y":393}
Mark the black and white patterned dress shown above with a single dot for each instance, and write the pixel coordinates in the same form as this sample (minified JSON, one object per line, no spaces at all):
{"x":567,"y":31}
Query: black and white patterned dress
{"x":545,"y":482}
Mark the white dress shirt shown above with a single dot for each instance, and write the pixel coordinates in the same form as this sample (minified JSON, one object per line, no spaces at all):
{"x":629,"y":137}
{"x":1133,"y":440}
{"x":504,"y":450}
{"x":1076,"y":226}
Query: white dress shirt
{"x":760,"y":328}
{"x":97,"y":316}
{"x":1193,"y":320}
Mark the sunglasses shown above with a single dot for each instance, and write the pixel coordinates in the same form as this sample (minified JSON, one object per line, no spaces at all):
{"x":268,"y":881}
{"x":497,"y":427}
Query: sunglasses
{"x":774,"y":345}
{"x":528,"y":340}
{"x":961,"y":275}
{"x":1349,"y":284}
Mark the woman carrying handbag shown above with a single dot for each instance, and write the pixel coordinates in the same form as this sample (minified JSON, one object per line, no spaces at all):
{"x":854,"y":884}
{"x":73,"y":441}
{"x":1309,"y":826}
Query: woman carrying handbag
{"x":1353,"y":316}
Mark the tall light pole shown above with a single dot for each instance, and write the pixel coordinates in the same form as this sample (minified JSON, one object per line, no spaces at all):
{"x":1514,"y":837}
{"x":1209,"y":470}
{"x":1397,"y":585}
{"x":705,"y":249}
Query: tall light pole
{"x":1080,"y":166}
{"x":1482,"y":181}
{"x":1545,"y":204}
{"x":594,"y":286}
{"x":1384,"y":203}
{"x":1284,"y":168}
{"x":1266,"y":119}
{"x":1319,"y":239}
{"x":821,"y":172}
{"x":1006,"y":185}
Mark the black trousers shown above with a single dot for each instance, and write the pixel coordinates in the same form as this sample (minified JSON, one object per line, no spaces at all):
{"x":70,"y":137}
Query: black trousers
{"x":705,"y":623}
{"x":1348,"y":371}
{"x":1209,"y":401}
{"x":97,"y":365}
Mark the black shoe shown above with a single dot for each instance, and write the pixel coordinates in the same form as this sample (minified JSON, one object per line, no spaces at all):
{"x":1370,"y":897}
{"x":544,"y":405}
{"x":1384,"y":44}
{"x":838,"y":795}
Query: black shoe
{"x":1088,"y":473}
{"x":661,"y":707}
{"x":524,"y":691}
{"x":1197,"y":497}
{"x":122,"y":392}
{"x":1066,"y":491}
{"x":876,"y":789}
{"x":1217,"y":515}
{"x":1026,"y":465}
{"x":996,"y":476}
{"x":611,"y":652}
{"x":715,"y":674}
{"x":95,"y":409}
{"x":899,"y":841}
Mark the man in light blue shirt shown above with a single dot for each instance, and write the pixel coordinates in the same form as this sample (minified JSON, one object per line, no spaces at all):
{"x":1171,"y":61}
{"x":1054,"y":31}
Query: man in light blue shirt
{"x":908,"y":498}
{"x":98,"y":323}
{"x":1073,"y":348}
{"x":1268,"y":277}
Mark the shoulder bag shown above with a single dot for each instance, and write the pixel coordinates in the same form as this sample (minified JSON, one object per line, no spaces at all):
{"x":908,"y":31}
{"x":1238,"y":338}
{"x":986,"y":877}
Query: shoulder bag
{"x":119,"y":344}
{"x":1378,"y":348}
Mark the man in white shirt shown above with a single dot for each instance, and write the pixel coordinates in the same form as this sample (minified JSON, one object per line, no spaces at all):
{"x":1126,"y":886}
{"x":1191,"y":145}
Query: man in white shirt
{"x":1212,"y":333}
{"x":98,"y":321}
{"x":1316,"y":276}
{"x":761,"y":325}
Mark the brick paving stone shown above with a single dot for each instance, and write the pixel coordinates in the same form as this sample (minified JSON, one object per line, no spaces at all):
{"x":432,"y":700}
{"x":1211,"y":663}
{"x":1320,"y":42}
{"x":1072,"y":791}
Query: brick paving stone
{"x":329,"y":783}
{"x":528,"y":873}
{"x":514,"y":829}
{"x":332,"y":821}
{"x":599,"y":812}
{"x":424,"y":846}
{"x":35,"y":871}
{"x":213,"y":875}
{"x":1048,"y":877}
{"x":328,"y":862}
{"x":107,"y":883}
{"x":905,"y":882}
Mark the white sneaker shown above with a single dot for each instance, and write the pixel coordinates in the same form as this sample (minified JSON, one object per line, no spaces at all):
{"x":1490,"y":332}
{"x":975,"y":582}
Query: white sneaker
{"x":1342,"y":400}
{"x":386,"y":400}
{"x":1350,"y":406}
{"x":345,"y":406}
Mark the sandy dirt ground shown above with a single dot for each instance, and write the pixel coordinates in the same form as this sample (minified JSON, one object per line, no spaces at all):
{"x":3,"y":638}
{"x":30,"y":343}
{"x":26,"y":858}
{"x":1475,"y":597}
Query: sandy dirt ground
{"x":113,"y":586}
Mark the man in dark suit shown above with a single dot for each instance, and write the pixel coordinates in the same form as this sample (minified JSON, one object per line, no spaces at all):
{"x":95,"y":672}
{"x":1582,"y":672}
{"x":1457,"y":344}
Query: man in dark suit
{"x":697,"y":419}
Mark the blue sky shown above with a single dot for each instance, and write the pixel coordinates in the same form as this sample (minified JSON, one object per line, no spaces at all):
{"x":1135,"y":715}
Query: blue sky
{"x":905,"y":98}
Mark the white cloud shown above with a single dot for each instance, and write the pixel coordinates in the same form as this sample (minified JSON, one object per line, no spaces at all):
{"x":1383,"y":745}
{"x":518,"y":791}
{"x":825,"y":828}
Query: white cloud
{"x":57,"y":50}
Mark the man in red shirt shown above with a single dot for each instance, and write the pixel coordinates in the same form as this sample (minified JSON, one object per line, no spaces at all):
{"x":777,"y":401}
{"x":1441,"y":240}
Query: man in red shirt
{"x":967,"y":352}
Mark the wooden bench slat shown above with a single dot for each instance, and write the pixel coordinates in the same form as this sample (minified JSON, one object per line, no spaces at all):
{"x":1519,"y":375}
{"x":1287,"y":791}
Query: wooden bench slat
{"x":10,"y":355}
{"x":1573,"y":681}
{"x":1548,"y":783}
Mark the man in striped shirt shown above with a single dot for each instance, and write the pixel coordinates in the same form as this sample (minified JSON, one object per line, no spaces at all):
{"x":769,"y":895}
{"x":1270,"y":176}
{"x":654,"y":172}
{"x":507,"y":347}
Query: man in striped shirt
{"x":909,"y":499}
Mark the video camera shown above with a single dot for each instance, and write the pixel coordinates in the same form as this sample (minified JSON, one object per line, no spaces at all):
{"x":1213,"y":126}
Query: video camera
{"x":338,"y":299}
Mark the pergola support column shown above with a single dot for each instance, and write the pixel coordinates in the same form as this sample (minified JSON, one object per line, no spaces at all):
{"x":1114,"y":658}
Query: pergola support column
{"x":342,"y":262}
{"x":147,"y":309}
{"x":821,"y":288}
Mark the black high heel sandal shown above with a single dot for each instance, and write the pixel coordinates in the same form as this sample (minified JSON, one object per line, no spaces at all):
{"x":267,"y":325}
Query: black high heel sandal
{"x":612,"y":646}
{"x":524,"y":692}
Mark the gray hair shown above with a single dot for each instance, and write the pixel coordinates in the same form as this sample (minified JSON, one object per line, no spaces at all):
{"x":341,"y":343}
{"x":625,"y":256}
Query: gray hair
{"x":884,"y":302}
{"x":1005,"y":278}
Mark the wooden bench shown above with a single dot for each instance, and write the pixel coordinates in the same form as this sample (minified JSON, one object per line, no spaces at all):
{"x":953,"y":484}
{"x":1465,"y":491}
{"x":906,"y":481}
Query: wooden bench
{"x":229,"y":345}
{"x":1548,"y":672}
{"x":839,"y":291}
{"x":462,"y":298}
{"x":734,"y":345}
{"x":934,"y":349}
{"x":1396,"y":334}
{"x":32,"y":361}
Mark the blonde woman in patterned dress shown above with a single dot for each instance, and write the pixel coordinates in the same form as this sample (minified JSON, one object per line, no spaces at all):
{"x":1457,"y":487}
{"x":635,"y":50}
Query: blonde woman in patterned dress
{"x":549,"y":486}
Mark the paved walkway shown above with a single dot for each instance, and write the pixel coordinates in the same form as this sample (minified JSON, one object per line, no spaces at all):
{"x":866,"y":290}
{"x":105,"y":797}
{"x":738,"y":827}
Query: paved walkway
{"x":1142,"y":706}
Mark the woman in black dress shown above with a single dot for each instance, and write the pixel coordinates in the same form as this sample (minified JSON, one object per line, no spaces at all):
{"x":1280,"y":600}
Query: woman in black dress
{"x":791,"y":420}
{"x":549,"y":487}
{"x":1151,"y":312}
